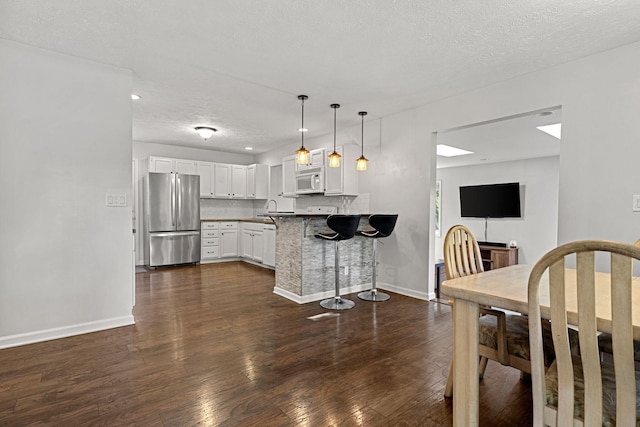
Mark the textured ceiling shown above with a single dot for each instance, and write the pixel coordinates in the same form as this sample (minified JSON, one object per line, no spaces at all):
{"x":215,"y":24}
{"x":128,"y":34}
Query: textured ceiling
{"x":239,"y":65}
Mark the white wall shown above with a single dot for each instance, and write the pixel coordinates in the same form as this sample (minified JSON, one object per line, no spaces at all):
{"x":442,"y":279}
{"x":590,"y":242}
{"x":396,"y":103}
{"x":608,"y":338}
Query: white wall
{"x":65,"y":142}
{"x":536,"y":232}
{"x":600,"y":98}
{"x":598,"y":173}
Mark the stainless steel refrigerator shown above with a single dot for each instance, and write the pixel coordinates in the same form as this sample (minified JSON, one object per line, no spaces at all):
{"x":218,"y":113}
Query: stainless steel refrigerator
{"x":173,"y":218}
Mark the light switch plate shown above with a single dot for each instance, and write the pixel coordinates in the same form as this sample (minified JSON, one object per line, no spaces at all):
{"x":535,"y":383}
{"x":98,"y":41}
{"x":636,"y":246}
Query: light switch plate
{"x":116,"y":200}
{"x":636,"y":202}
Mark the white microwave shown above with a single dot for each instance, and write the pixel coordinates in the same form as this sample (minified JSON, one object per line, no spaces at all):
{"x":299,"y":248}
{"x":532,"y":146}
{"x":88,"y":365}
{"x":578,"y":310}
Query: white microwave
{"x":310,"y":182}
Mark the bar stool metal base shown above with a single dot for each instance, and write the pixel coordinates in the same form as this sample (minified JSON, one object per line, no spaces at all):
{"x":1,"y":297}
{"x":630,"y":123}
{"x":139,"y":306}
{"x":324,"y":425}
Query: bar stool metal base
{"x":337,"y":303}
{"x":373,"y":295}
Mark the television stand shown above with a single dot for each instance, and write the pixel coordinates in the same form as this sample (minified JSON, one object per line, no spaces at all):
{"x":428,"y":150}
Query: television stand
{"x":495,"y":244}
{"x":497,"y":256}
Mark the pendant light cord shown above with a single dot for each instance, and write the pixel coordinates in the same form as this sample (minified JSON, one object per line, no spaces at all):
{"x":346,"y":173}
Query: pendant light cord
{"x":362,"y":136}
{"x":335,"y":111}
{"x":302,"y":127}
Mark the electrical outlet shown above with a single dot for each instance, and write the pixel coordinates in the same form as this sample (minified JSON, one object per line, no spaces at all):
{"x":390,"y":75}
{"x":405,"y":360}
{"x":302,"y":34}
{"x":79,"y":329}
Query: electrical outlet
{"x":346,"y":270}
{"x":636,"y":203}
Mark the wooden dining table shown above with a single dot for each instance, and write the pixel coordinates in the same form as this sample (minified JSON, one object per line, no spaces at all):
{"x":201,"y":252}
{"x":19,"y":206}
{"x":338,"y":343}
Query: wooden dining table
{"x":506,"y":288}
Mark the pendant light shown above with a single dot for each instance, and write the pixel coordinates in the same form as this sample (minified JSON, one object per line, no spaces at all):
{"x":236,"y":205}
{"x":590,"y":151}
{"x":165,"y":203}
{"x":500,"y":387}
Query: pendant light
{"x":334,"y":158}
{"x":302,"y":154}
{"x":361,"y":163}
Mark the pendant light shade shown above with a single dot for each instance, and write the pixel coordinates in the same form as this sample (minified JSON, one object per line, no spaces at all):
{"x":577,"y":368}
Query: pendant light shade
{"x":205,"y":132}
{"x":302,"y":154}
{"x":334,"y":158}
{"x":361,"y":162}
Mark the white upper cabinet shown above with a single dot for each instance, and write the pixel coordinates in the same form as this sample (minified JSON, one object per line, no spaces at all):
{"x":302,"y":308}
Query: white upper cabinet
{"x":222,"y":180}
{"x":205,"y":170}
{"x":343,"y":180}
{"x":167,"y":165}
{"x":186,"y":166}
{"x":238,"y":182}
{"x":316,"y":160}
{"x":289,"y":176}
{"x":257,"y":182}
{"x":230,"y":181}
{"x":161,"y":164}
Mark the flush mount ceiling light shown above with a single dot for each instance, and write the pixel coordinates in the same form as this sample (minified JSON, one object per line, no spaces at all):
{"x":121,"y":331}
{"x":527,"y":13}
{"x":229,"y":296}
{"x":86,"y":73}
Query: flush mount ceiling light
{"x":135,"y":97}
{"x":248,"y":148}
{"x":205,"y":131}
{"x":334,"y":158}
{"x":361,"y":162}
{"x":449,"y":151}
{"x":554,"y":130}
{"x":302,"y":154}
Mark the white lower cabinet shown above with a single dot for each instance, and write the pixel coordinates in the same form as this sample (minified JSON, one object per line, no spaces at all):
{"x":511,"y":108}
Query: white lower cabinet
{"x":252,"y":241}
{"x":269,"y":245}
{"x":210,"y":240}
{"x":228,"y":239}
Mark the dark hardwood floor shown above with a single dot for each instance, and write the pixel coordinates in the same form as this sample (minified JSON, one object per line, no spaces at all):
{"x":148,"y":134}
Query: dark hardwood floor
{"x":213,"y":345}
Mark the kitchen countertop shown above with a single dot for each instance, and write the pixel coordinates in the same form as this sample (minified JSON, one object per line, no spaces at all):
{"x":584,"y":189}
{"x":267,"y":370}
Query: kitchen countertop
{"x":257,"y":220}
{"x":294,"y":215}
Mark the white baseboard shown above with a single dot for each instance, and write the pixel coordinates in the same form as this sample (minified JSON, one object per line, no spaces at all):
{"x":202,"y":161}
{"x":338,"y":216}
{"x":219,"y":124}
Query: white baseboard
{"x":407,"y":292}
{"x":64,"y":331}
{"x":256,"y":263}
{"x":320,"y":295}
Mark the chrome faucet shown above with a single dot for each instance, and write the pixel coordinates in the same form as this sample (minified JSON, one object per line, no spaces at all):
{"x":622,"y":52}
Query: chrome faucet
{"x":274,"y":203}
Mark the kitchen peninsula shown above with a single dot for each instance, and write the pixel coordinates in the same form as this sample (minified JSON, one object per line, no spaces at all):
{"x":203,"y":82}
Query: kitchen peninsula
{"x":305,"y":264}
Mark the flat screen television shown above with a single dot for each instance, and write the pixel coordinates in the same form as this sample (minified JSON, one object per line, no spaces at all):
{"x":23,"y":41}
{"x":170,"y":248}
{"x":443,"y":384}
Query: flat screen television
{"x":490,"y":201}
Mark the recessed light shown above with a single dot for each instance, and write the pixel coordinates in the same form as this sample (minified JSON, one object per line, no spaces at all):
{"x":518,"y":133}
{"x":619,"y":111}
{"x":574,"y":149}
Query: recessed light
{"x":135,"y":97}
{"x":248,"y":148}
{"x":303,"y":130}
{"x":554,"y":130}
{"x":448,"y":151}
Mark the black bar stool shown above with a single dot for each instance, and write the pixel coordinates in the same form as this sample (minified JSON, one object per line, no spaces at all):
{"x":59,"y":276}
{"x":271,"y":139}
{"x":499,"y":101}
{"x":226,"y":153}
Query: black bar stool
{"x":344,"y":227}
{"x":383,"y":227}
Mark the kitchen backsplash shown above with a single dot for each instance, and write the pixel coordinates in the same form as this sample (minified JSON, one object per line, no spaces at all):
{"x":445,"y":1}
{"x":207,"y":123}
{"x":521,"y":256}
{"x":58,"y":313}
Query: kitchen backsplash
{"x":221,"y":208}
{"x":345,"y":204}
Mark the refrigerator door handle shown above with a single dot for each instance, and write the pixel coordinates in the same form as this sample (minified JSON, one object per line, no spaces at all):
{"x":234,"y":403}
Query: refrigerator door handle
{"x":179,"y":196}
{"x":175,"y":234}
{"x":173,"y":200}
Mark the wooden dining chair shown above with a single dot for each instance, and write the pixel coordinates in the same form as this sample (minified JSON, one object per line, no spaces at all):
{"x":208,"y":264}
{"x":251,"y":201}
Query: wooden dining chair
{"x":502,"y":337}
{"x":605,"y":343}
{"x":582,"y":389}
